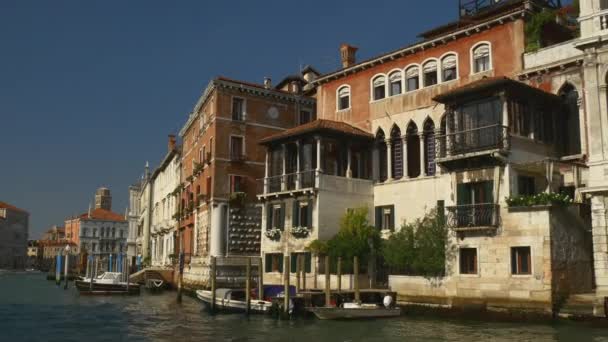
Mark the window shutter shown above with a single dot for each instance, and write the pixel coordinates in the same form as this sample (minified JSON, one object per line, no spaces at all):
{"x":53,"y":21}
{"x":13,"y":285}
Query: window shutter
{"x":412,"y":72}
{"x":449,"y":62}
{"x":269,"y":217}
{"x":392,"y":222}
{"x":268,"y":262}
{"x":281,"y":223}
{"x":307,"y":262}
{"x":481,"y":51}
{"x":463,"y":195}
{"x":294,"y":262}
{"x":295,"y":218}
{"x":309,"y":213}
{"x":378,"y":222}
{"x":280,"y":256}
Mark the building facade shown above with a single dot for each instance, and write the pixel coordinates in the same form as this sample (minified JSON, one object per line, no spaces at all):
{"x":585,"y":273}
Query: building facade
{"x":14,"y":230}
{"x":133,"y":220}
{"x":444,"y":124}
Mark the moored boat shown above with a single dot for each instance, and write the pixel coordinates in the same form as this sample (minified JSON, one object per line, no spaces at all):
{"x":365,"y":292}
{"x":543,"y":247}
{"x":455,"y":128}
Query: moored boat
{"x":108,"y":283}
{"x":233,"y":300}
{"x":355,"y":311}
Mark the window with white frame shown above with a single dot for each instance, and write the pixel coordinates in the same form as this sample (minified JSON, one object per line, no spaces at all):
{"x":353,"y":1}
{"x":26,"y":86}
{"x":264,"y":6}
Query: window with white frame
{"x":394,"y":83}
{"x":412,"y":78}
{"x":448,"y":68}
{"x":379,"y":91}
{"x":481,"y":58}
{"x":430,"y":73}
{"x":343,"y":98}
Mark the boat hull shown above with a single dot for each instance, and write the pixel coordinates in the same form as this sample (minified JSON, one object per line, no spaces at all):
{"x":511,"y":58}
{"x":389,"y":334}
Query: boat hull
{"x":84,"y":287}
{"x":358,"y":313}
{"x":231,"y":305}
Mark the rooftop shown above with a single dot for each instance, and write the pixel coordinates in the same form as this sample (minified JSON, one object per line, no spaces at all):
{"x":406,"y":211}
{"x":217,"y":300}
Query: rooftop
{"x":4,"y":205}
{"x":319,"y":126}
{"x":102,"y":214}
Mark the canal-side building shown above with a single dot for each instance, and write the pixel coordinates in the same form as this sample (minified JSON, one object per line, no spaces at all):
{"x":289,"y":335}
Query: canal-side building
{"x":163,"y":224}
{"x":14,"y":230}
{"x":220,"y":163}
{"x":133,"y":221}
{"x":99,"y":231}
{"x":442,"y":124}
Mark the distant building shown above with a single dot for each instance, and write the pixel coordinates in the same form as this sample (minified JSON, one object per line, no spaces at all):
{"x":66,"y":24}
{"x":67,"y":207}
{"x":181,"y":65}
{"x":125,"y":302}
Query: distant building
{"x":14,"y":227}
{"x":103,"y":199}
{"x":53,"y":234}
{"x":33,"y":254}
{"x":133,"y":219}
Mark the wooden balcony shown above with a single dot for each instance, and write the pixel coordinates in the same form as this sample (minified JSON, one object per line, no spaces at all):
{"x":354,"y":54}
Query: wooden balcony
{"x":479,"y":145}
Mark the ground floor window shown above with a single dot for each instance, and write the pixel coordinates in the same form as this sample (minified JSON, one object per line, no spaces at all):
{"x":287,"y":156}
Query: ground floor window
{"x":385,"y":217}
{"x":521,"y":260}
{"x":274,"y":262}
{"x":468,"y":261}
{"x":306,"y":259}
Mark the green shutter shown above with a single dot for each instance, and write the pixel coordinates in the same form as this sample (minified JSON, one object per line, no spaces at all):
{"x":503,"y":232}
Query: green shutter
{"x":268,"y":263}
{"x":392,"y":222}
{"x":281,"y":224}
{"x":488,"y":188}
{"x":307,"y":262}
{"x":268,"y":217}
{"x":280,"y":256}
{"x":309,"y":213}
{"x":294,"y":262}
{"x":378,"y":222}
{"x":295,"y":218}
{"x":463,"y":194}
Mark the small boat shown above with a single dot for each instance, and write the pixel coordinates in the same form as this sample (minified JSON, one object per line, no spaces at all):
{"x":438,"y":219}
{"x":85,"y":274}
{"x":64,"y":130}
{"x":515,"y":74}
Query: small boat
{"x":355,"y":311}
{"x":107,"y":283}
{"x":233,"y":300}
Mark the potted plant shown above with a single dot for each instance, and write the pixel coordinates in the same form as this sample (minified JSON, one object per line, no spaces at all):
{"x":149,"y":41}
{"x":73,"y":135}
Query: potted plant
{"x":300,"y":232}
{"x":273,"y":234}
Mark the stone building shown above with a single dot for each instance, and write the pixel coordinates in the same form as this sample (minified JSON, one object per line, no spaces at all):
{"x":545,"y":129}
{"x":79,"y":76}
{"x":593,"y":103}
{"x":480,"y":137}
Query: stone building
{"x":443,"y":124}
{"x":133,"y":221}
{"x":14,"y":230}
{"x":99,"y":231}
{"x":221,"y":162}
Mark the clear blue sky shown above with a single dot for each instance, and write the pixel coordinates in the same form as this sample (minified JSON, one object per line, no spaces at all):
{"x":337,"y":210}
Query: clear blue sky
{"x":89,"y":90}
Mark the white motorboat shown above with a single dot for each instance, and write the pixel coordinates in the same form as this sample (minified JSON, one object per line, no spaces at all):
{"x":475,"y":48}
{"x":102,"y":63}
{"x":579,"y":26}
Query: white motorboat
{"x":107,"y":283}
{"x":233,"y":300}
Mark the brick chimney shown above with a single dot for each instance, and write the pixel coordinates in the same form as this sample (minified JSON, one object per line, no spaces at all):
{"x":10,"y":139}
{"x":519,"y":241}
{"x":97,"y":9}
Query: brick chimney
{"x":347,"y":55}
{"x":171,"y":144}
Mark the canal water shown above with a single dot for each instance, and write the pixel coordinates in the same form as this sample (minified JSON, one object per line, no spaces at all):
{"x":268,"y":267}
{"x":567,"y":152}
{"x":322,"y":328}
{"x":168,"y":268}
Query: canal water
{"x":34,"y":309}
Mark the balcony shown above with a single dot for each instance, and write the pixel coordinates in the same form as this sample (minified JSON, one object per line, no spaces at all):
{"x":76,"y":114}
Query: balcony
{"x":470,"y":217}
{"x":473,"y":144}
{"x":288,"y":182}
{"x":470,"y":8}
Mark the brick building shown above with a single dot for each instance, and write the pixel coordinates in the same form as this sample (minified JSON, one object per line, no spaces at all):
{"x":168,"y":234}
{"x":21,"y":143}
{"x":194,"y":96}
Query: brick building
{"x":14,"y":230}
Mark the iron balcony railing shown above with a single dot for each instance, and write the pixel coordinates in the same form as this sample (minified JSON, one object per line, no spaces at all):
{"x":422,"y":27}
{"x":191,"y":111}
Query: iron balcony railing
{"x":473,"y":216}
{"x":287,"y":182}
{"x":472,"y":140}
{"x":472,"y":7}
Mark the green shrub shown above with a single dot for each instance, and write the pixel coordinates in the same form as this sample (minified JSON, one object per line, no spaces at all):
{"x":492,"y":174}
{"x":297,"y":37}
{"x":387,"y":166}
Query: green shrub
{"x":538,"y":199}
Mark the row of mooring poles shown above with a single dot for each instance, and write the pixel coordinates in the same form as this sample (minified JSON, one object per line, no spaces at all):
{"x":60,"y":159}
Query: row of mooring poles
{"x":339,"y":279}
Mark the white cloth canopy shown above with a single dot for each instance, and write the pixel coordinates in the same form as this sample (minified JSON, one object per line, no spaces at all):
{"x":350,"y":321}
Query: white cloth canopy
{"x":449,"y":62}
{"x":481,"y":51}
{"x":412,"y":72}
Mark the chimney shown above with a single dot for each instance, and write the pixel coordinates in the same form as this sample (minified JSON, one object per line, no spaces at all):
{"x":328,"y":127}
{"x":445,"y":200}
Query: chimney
{"x":347,"y":55}
{"x":267,"y":82}
{"x":171,"y":144}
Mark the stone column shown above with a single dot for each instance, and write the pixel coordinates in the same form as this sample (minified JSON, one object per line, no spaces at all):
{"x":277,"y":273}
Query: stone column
{"x":504,"y":120}
{"x":598,"y":135}
{"x":600,"y":243}
{"x":284,"y":178}
{"x":349,"y":172}
{"x":389,"y":161}
{"x":298,"y":175}
{"x":405,"y":161}
{"x":319,"y":169}
{"x":266,"y":170}
{"x":422,"y":165}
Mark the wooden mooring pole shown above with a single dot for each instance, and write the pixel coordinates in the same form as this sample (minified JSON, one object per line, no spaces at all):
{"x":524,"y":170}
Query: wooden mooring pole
{"x":213,"y":285}
{"x":327,"y":282}
{"x":67,"y":259}
{"x":260,"y":279}
{"x":286,"y":283}
{"x":356,"y":280}
{"x":248,"y":286}
{"x":298,"y":267}
{"x":303,"y":270}
{"x":180,"y":276}
{"x":339,"y":273}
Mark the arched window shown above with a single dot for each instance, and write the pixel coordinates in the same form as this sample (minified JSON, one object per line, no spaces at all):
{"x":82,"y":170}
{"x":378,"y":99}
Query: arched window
{"x":430,"y":73}
{"x":412,"y":78}
{"x":381,"y":148}
{"x":344,"y":98}
{"x":413,"y":150}
{"x":395,"y":83}
{"x":571,"y":127}
{"x":443,"y":138}
{"x":429,"y":147}
{"x":379,"y":91}
{"x":396,"y":153}
{"x":482,"y":60}
{"x":448,"y":68}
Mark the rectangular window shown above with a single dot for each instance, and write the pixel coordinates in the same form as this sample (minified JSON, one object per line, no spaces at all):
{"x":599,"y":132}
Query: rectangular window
{"x":306,"y":260}
{"x":521,"y":262}
{"x":385,"y":217}
{"x":412,"y":83}
{"x":236,"y":148}
{"x":274,"y":262}
{"x":276,"y":216}
{"x":238,"y":109}
{"x":468,"y":261}
{"x":302,"y":214}
{"x":305,"y":117}
{"x":237,"y":183}
{"x":526,"y":186}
